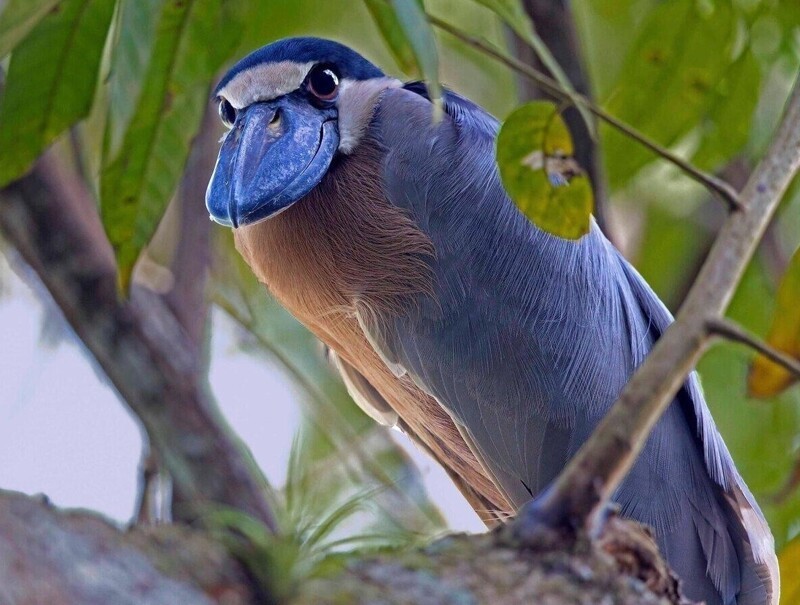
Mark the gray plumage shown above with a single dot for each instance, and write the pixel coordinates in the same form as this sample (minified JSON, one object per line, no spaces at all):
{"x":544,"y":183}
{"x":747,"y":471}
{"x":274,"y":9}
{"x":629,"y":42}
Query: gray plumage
{"x":496,"y":346}
{"x":530,"y":338}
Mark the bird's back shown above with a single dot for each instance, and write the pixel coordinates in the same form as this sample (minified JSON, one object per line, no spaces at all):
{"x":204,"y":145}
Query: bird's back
{"x":528,"y":339}
{"x":495,"y":342}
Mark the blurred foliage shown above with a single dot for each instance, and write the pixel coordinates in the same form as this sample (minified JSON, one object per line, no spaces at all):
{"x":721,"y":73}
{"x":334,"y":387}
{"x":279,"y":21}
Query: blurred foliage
{"x":767,"y":378}
{"x":534,"y":155}
{"x":706,"y":78}
{"x":18,"y":18}
{"x":315,"y":513}
{"x":687,"y":72}
{"x":678,"y":60}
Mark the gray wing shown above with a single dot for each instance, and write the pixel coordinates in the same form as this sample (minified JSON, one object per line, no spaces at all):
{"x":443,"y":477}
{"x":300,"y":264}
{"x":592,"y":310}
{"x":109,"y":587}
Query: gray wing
{"x":376,"y":407}
{"x":530,"y":338}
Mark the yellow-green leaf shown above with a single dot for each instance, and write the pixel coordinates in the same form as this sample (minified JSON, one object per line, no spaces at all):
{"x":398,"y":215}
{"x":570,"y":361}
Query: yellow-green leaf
{"x":513,"y":14}
{"x":534,"y":152}
{"x":789,"y":562}
{"x":767,"y":378}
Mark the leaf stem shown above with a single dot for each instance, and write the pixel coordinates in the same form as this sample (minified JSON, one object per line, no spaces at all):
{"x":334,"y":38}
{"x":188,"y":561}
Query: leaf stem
{"x":736,"y":333}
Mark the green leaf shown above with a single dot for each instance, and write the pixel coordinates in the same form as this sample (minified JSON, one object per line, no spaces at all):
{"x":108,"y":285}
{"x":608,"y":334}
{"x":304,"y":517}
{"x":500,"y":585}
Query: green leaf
{"x":51,"y":81}
{"x":140,"y":174}
{"x":411,"y":17}
{"x":130,"y":60}
{"x":669,"y":78}
{"x":726,"y":127}
{"x":18,"y":18}
{"x":391,"y":30}
{"x":767,"y":378}
{"x":513,"y":14}
{"x":533,"y":154}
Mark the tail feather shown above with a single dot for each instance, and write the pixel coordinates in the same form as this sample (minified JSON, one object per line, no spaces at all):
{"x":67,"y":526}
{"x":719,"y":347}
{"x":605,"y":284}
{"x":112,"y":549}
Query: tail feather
{"x":760,"y":573}
{"x":732,"y":531}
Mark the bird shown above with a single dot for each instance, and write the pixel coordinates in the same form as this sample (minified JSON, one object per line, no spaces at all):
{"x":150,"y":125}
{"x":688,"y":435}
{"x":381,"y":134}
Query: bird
{"x":384,"y":227}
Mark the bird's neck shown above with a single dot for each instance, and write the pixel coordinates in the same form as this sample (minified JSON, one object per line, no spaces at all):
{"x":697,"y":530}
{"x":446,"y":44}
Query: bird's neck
{"x":341,"y":246}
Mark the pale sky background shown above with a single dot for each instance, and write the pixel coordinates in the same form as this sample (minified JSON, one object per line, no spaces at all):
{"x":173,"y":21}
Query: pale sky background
{"x":65,"y":433}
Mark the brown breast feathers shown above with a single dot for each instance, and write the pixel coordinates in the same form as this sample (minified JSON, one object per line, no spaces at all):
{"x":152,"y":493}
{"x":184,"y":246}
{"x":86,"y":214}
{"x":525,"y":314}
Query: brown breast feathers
{"x":342,"y":249}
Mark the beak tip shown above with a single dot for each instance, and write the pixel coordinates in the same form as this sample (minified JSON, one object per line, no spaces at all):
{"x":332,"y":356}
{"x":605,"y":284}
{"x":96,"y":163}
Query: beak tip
{"x":223,"y":218}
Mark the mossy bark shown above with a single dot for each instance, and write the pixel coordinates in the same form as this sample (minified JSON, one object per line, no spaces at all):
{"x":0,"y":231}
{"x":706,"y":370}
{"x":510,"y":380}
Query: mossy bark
{"x":53,"y":556}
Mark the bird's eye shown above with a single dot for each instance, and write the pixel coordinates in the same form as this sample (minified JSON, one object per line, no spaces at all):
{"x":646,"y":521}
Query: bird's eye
{"x":323,"y":83}
{"x":227,"y":113}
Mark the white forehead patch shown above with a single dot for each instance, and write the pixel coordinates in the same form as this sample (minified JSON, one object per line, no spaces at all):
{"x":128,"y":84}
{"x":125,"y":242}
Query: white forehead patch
{"x":356,"y":101}
{"x":264,"y":82}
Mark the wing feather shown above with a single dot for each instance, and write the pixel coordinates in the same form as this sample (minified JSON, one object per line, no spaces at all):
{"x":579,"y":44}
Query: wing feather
{"x":530,"y":338}
{"x":376,"y":407}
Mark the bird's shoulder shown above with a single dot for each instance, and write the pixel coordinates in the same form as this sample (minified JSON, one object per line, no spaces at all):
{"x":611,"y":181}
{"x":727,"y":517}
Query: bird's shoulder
{"x":411,"y":106}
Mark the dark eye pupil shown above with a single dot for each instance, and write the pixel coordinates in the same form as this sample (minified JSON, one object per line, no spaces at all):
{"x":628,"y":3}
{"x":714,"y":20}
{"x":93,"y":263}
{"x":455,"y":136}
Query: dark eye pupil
{"x":324,"y":82}
{"x":227,"y":113}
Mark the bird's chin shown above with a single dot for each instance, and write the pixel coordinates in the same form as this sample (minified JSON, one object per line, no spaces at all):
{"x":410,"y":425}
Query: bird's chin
{"x":271,"y":204}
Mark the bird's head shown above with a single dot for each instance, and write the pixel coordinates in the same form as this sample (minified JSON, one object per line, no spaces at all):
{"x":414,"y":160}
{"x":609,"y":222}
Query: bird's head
{"x":290,"y":108}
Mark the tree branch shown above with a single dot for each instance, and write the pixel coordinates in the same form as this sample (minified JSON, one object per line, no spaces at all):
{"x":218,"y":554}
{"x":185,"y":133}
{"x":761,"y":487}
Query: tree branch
{"x":51,"y":219}
{"x":53,"y":556}
{"x":192,"y":258}
{"x":186,"y":223}
{"x":595,"y":472}
{"x":732,"y":331}
{"x":727,"y":193}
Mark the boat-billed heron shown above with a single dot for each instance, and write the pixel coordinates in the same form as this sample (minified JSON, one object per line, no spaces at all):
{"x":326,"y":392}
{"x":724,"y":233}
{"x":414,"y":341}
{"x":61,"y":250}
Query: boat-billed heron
{"x":496,"y":346}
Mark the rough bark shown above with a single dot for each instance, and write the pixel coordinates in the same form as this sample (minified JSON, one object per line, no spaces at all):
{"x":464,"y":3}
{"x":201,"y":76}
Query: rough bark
{"x":66,"y":557}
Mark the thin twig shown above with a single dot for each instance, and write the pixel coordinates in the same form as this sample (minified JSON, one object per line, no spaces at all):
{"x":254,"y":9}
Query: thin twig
{"x":728,"y":194}
{"x":732,"y":331}
{"x":596,"y":471}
